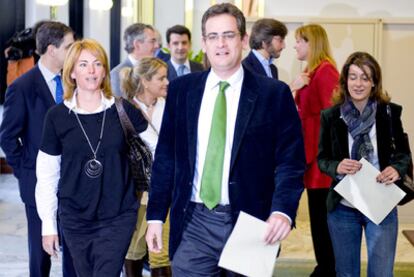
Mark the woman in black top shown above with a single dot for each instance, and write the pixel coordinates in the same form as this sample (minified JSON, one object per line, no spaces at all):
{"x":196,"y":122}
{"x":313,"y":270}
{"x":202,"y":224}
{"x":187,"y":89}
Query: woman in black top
{"x":83,"y":173}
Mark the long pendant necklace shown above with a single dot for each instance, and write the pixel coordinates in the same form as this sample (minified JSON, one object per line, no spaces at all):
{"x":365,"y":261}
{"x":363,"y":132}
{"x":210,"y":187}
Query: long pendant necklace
{"x":93,"y":167}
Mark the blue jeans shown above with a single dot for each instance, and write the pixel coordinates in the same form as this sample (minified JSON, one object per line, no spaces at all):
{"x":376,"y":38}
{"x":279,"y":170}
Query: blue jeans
{"x":346,"y":226}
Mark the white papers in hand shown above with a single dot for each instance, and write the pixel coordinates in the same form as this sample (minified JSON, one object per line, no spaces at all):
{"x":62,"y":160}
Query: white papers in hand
{"x":246,"y":252}
{"x":375,"y":200}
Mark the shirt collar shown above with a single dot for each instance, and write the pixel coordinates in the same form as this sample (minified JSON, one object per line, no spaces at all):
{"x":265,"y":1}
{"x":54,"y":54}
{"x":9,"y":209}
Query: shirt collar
{"x":134,"y":61}
{"x":47,"y":74}
{"x":176,"y":65}
{"x":262,"y":59}
{"x":72,"y":104}
{"x":213,"y":79}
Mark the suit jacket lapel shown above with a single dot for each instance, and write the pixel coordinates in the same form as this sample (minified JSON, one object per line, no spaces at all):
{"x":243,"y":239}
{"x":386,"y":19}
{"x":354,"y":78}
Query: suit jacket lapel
{"x":341,"y":131}
{"x":172,"y":74}
{"x":383,"y":128}
{"x":247,"y":103}
{"x":194,"y":98}
{"x":257,"y":65}
{"x":42,"y":89}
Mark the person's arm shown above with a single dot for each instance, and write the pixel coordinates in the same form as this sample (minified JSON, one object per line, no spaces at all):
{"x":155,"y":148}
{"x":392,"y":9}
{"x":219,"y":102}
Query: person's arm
{"x":12,"y":127}
{"x":290,"y":166}
{"x":47,"y":173}
{"x":163,"y":171}
{"x":299,"y":82}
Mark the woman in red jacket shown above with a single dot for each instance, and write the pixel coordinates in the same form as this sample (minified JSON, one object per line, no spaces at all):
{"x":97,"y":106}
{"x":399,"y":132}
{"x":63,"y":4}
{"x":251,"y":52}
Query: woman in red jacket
{"x":313,"y":90}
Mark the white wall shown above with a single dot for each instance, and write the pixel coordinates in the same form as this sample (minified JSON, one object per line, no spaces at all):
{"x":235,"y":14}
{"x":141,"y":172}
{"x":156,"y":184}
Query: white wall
{"x":349,"y":8}
{"x":96,"y":25}
{"x":167,"y":14}
{"x":36,"y":12}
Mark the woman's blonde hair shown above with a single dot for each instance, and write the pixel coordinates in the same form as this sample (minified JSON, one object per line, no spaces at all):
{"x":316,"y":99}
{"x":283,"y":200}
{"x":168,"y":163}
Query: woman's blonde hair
{"x":131,"y":77}
{"x":93,"y":47}
{"x":319,"y":49}
{"x":361,"y":60}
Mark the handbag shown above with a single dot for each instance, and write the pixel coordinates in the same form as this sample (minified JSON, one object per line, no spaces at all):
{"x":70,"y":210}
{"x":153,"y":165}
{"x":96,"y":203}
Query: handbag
{"x":406,"y":182}
{"x":139,"y":156}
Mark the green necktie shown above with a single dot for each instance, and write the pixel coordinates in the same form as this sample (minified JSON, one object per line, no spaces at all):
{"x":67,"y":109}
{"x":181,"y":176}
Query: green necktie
{"x":213,"y":165}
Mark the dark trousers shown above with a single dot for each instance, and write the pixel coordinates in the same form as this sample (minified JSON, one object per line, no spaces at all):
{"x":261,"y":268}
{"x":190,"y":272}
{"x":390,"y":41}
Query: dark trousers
{"x":39,"y":260}
{"x":99,"y":247}
{"x":204,"y":236}
{"x":321,"y":239}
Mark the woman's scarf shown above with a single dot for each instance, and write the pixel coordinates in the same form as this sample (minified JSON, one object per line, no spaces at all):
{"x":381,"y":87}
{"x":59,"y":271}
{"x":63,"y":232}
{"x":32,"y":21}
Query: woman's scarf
{"x":359,"y":126}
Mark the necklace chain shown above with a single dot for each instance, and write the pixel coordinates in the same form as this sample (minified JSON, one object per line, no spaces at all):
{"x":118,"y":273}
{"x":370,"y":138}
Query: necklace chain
{"x":86,"y":136}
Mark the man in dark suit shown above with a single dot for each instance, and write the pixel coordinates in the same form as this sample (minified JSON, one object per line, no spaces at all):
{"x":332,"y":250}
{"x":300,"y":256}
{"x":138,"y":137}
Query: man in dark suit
{"x":230,"y":141}
{"x":179,"y":43}
{"x":27,"y":100}
{"x":140,"y":42}
{"x":267,"y":40}
{"x":159,"y":53}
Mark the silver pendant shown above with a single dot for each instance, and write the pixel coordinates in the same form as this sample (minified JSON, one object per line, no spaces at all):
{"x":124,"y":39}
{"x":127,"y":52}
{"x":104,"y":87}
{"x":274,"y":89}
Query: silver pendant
{"x":93,"y":168}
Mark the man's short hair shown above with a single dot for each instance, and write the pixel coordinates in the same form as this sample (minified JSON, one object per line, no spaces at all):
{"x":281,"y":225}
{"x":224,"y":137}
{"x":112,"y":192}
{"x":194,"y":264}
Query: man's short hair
{"x":264,"y":30}
{"x":50,"y":33}
{"x":225,"y":8}
{"x":134,"y":32}
{"x":178,"y":29}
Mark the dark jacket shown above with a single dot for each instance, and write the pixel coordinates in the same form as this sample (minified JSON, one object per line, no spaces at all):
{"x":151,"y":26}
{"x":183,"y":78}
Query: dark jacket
{"x":333,"y":144}
{"x":172,"y":73}
{"x":28,"y":99}
{"x":254,"y":65}
{"x":267,"y":159}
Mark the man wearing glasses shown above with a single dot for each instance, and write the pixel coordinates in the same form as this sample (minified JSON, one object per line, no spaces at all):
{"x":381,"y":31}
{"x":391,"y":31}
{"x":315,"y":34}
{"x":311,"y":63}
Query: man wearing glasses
{"x":230,"y":141}
{"x":267,"y":40}
{"x":140,"y":41}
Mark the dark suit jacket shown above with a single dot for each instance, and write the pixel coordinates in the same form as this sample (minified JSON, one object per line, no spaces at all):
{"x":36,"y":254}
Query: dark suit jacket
{"x":254,"y":65}
{"x":163,"y":56}
{"x":172,"y":74}
{"x":115,"y":80}
{"x":27,"y":100}
{"x":333,"y":144}
{"x":267,"y":160}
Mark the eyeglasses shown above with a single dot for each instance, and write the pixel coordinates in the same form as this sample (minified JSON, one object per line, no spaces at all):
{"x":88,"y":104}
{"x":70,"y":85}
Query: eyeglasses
{"x":227,"y":36}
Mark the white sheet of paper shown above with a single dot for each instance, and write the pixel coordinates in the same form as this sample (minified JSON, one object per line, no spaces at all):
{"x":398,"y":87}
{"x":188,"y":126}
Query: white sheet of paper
{"x":373,"y":199}
{"x":245,"y":251}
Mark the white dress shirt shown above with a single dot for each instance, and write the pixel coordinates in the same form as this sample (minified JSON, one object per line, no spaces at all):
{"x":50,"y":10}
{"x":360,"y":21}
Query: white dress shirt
{"x":48,"y":174}
{"x":211,"y":91}
{"x":150,"y":136}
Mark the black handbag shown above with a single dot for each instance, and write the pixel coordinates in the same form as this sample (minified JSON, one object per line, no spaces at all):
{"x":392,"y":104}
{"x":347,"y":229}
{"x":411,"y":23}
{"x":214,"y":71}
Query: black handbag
{"x":139,"y":156}
{"x":406,"y":182}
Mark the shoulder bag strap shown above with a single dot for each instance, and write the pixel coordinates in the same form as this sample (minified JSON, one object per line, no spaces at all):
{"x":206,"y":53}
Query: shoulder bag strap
{"x":124,"y":119}
{"x":147,"y":118}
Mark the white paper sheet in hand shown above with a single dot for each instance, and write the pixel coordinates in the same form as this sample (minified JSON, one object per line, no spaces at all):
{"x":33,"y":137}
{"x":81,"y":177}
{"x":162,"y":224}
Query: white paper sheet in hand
{"x":246,"y":252}
{"x":373,"y":199}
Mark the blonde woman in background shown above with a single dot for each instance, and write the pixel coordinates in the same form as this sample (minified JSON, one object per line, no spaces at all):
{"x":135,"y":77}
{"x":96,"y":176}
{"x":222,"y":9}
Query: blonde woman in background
{"x":313,"y":90}
{"x":145,"y":86}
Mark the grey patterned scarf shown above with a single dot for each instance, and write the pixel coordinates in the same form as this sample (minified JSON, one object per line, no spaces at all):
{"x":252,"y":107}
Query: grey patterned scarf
{"x":359,"y":125}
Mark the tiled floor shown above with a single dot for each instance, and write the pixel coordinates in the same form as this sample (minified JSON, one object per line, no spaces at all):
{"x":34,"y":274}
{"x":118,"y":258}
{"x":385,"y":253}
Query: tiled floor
{"x":296,"y":258}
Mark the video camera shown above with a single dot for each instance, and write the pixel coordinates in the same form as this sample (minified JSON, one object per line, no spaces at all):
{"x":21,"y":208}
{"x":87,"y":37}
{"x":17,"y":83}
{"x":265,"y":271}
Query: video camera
{"x":21,"y":45}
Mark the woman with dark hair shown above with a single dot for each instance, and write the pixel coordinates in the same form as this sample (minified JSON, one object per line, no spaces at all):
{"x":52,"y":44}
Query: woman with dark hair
{"x":358,"y":126}
{"x":313,"y":90}
{"x":82,"y":167}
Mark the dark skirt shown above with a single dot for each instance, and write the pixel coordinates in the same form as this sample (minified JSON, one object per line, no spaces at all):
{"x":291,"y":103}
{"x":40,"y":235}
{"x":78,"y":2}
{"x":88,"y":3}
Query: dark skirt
{"x":99,"y":247}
